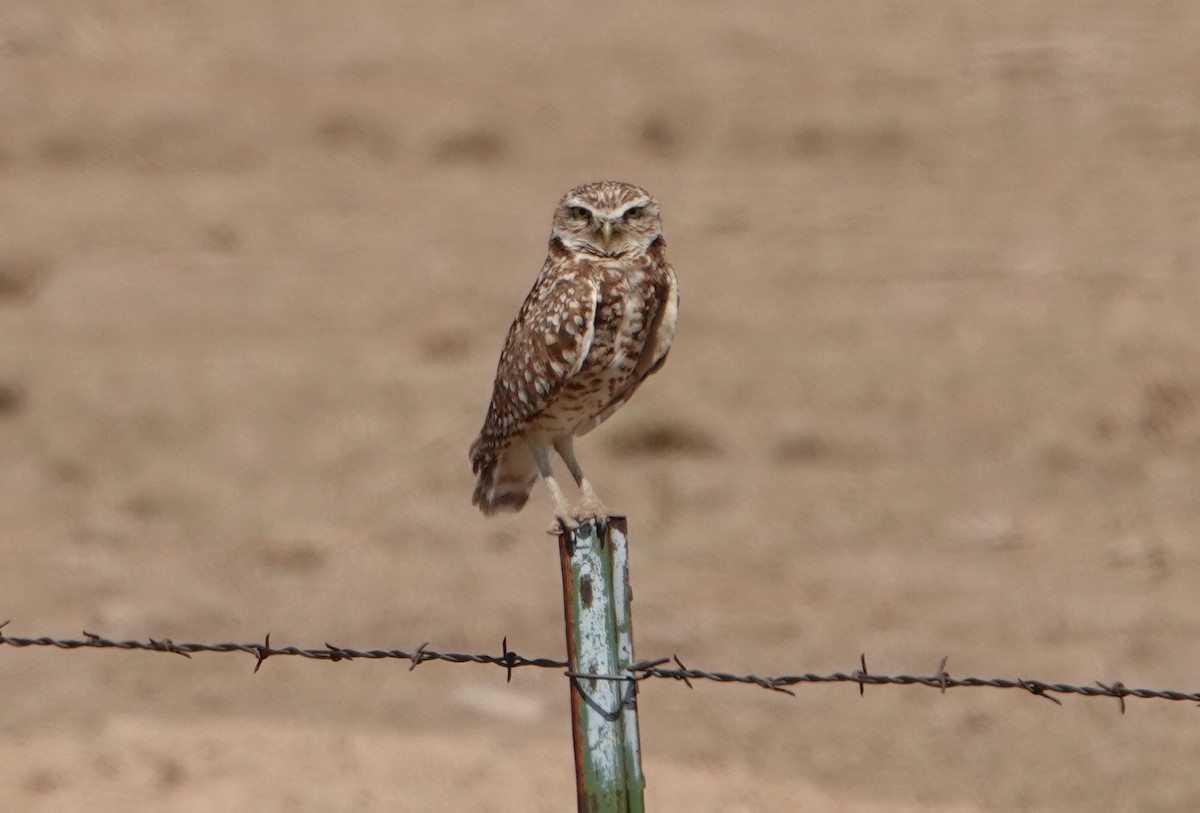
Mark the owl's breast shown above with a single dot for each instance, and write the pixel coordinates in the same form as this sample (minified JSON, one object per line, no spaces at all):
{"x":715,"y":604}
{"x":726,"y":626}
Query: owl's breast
{"x":621,"y":330}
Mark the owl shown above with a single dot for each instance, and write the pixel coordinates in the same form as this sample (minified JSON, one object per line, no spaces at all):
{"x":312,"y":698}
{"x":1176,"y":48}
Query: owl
{"x":598,"y":322}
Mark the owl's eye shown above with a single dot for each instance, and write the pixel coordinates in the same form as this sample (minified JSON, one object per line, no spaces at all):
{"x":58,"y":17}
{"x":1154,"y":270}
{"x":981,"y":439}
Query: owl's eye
{"x":634,"y":212}
{"x":579,"y":213}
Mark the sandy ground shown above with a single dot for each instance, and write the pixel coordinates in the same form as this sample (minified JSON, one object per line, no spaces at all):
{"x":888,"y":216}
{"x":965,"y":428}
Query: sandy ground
{"x":936,"y":391}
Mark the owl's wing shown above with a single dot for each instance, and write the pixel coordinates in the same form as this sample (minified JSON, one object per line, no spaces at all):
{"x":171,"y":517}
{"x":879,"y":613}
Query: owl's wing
{"x":546,"y":345}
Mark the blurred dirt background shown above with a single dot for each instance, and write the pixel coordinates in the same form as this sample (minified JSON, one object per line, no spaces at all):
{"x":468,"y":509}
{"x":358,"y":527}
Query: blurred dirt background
{"x":936,"y":391}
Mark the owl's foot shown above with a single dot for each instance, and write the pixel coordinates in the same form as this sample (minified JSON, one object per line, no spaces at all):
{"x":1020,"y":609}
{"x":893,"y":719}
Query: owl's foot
{"x":584,"y":512}
{"x":589,"y":509}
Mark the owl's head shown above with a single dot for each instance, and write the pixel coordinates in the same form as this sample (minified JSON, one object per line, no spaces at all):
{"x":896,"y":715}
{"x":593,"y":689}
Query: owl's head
{"x":607,"y":219}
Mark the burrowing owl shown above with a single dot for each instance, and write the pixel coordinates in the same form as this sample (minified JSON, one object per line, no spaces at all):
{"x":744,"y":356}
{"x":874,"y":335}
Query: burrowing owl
{"x":598,"y":322}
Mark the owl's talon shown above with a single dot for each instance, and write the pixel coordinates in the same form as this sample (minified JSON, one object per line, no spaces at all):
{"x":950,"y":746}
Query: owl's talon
{"x":579,"y":518}
{"x":561,"y":525}
{"x":590,"y":512}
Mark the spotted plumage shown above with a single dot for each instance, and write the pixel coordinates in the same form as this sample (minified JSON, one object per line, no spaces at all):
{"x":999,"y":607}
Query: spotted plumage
{"x":599,"y":320}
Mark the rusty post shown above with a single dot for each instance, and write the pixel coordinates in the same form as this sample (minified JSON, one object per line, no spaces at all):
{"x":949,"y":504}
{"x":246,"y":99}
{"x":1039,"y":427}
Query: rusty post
{"x":596,"y":599}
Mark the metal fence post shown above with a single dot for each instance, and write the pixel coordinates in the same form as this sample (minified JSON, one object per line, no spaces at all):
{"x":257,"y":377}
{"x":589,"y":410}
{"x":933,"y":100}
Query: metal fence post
{"x":596,"y":598}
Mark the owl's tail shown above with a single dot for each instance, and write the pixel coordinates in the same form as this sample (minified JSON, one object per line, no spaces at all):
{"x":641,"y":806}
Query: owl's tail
{"x":506,"y":477}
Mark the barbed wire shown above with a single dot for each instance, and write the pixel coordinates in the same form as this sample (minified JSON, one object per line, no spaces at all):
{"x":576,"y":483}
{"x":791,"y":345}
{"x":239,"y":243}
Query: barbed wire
{"x":640,"y":671}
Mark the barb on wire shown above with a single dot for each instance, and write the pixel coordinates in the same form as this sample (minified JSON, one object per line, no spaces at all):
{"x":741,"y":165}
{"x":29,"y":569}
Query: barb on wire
{"x":657,"y":668}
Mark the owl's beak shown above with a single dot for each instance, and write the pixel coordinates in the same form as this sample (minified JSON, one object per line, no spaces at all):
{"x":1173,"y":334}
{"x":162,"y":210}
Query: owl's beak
{"x":606,"y":232}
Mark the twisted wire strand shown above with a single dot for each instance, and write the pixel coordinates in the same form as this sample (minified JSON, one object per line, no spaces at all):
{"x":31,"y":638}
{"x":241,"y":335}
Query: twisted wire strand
{"x":640,"y":671}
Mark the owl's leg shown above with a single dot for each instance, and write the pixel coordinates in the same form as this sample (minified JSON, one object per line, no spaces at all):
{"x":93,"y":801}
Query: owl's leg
{"x":589,"y":506}
{"x":541,"y":454}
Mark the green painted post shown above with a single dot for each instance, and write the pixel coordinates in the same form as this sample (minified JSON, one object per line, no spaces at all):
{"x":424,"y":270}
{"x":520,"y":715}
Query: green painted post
{"x":596,"y":598}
